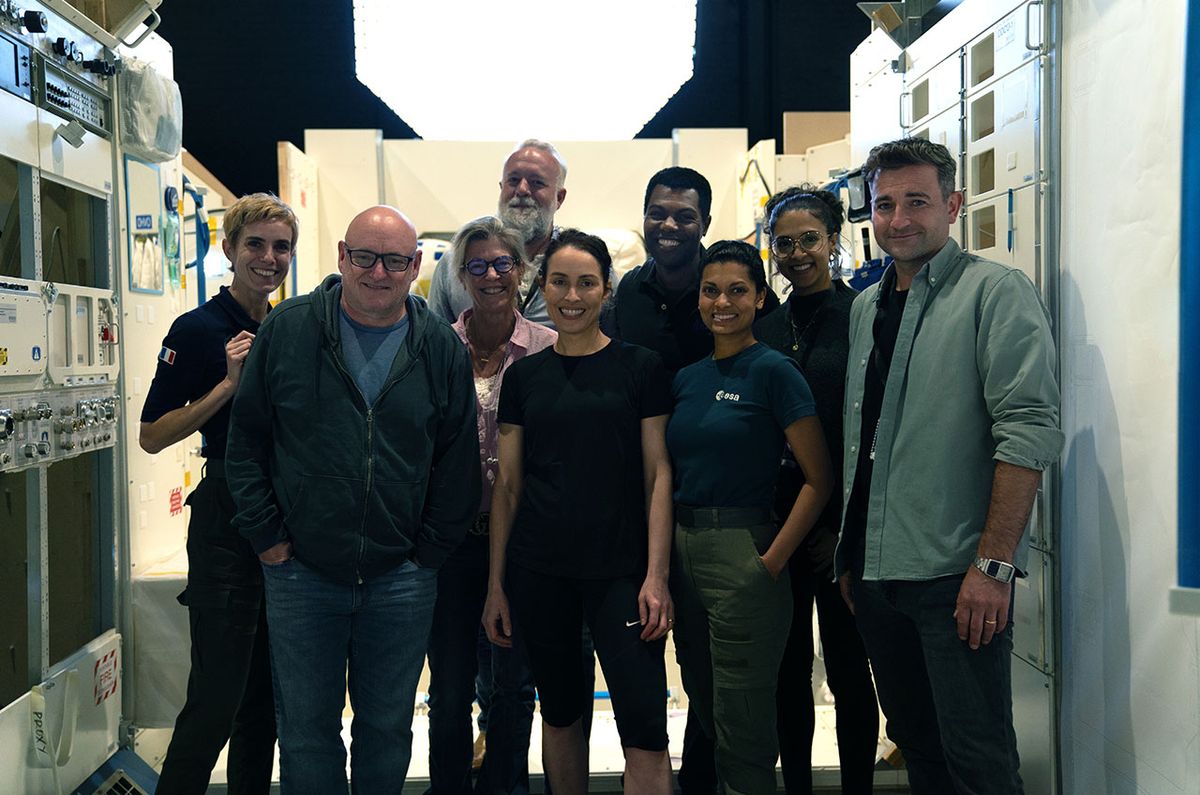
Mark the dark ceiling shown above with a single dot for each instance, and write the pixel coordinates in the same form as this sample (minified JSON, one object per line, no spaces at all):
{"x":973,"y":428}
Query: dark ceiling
{"x":260,"y":71}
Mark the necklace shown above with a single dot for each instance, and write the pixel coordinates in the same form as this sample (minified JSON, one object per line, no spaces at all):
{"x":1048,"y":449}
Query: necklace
{"x":483,"y":355}
{"x":799,"y":335}
{"x":483,"y":359}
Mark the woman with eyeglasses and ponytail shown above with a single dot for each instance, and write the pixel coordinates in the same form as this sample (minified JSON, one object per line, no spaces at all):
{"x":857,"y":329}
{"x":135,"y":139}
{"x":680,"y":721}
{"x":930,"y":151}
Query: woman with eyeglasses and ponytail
{"x":812,"y":329}
{"x":489,"y":260}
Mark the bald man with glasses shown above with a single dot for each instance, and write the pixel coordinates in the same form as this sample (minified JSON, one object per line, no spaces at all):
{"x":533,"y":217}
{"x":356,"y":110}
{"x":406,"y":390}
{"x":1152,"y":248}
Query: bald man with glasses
{"x":354,"y":464}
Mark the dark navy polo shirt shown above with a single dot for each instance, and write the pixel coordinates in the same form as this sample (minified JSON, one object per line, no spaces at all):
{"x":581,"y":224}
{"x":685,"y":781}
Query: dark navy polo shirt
{"x":646,"y":314}
{"x":192,"y":362}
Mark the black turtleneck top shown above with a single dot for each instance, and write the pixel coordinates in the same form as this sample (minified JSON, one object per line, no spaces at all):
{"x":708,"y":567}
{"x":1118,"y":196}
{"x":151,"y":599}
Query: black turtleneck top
{"x":814,"y":330}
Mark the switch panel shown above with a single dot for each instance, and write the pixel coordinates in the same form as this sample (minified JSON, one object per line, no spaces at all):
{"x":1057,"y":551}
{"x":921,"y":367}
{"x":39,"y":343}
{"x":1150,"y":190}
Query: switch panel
{"x":48,"y":426}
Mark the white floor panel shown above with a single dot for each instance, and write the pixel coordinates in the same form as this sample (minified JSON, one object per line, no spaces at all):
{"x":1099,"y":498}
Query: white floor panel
{"x":606,"y":754}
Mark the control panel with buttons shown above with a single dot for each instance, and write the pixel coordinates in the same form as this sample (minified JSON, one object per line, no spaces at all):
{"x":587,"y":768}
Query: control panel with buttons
{"x":66,"y":94}
{"x":44,"y":427}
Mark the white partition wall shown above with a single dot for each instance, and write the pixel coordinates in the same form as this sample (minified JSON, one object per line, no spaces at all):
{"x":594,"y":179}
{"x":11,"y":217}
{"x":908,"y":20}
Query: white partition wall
{"x":349,"y":180}
{"x":607,"y":181}
{"x":1131,"y":695}
{"x":443,"y":184}
{"x":716,"y":154}
{"x":299,"y":186}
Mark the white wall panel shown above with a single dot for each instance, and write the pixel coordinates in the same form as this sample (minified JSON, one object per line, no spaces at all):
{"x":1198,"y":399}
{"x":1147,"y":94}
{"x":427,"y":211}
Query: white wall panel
{"x":299,"y":186}
{"x":443,"y":184}
{"x":875,"y":95}
{"x":89,"y":166}
{"x":349,"y":165}
{"x":1131,"y":691}
{"x":21,"y":118}
{"x":716,"y":154}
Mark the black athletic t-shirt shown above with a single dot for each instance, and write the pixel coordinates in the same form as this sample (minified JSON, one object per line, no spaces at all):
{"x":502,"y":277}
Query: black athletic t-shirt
{"x":583,"y":508}
{"x":192,"y":361}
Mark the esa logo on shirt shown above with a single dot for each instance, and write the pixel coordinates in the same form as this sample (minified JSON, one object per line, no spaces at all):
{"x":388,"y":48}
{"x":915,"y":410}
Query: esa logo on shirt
{"x":723,"y":395}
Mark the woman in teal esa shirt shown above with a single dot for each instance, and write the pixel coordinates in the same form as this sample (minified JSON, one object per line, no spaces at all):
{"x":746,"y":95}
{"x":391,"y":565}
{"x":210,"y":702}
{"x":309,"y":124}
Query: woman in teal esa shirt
{"x":733,"y":602}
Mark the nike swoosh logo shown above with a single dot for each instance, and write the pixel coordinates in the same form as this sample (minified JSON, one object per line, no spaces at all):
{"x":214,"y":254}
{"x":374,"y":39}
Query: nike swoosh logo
{"x":632,"y":623}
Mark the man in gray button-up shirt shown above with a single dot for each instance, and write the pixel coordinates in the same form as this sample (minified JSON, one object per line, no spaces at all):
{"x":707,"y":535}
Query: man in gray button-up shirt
{"x":952,"y":413}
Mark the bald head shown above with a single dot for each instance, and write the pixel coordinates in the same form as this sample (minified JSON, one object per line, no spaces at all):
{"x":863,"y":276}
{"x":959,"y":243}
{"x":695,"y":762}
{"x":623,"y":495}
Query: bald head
{"x":383,"y":222}
{"x":378,"y":260}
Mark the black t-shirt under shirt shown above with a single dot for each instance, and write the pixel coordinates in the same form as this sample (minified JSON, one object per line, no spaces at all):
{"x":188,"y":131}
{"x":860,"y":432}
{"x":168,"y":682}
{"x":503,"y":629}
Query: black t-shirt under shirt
{"x":885,"y":329}
{"x":583,"y":508}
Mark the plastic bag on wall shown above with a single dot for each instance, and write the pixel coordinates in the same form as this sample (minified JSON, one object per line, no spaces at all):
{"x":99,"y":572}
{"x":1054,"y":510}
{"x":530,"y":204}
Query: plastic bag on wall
{"x":151,"y":113}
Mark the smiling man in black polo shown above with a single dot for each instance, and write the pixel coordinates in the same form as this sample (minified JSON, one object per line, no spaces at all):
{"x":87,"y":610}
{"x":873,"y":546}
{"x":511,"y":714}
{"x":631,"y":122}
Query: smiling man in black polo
{"x":656,"y":302}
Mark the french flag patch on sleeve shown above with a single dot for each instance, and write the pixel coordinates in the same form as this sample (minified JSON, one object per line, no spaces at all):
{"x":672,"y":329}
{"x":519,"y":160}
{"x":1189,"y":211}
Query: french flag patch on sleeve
{"x":166,"y":355}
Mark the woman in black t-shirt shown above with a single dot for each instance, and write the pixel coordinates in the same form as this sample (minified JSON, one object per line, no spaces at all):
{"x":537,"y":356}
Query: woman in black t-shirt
{"x":813,"y":329}
{"x":581,"y":523}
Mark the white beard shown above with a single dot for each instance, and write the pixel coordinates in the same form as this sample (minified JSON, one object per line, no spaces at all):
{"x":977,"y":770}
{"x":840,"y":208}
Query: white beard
{"x":528,"y":219}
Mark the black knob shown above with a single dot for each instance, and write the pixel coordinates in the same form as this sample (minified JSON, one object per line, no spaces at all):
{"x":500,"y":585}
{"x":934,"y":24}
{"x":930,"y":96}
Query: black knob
{"x":35,"y":21}
{"x":99,"y":67}
{"x":68,"y":49}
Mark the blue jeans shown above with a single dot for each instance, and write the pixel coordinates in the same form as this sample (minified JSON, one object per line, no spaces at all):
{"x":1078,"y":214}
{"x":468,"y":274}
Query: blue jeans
{"x":380,"y":629}
{"x":453,"y":655}
{"x":948,"y":708}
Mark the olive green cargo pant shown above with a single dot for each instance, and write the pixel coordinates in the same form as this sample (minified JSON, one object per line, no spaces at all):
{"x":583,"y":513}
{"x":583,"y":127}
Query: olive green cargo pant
{"x":731,"y":626}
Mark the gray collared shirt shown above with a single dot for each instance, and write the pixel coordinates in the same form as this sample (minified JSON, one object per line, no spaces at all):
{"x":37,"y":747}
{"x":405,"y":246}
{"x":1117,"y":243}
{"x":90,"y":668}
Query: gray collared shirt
{"x":972,"y":381}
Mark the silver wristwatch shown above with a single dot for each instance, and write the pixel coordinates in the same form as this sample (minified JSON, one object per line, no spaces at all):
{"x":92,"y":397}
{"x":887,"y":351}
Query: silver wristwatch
{"x":996,"y":569}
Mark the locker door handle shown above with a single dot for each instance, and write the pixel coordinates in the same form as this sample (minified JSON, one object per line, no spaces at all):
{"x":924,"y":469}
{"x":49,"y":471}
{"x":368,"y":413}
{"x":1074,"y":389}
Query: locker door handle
{"x":903,"y":125}
{"x":151,"y":26}
{"x":1029,"y":45}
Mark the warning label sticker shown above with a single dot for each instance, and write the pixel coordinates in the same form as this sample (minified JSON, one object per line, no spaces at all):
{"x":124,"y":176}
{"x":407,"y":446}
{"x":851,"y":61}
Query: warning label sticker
{"x":104,"y":677}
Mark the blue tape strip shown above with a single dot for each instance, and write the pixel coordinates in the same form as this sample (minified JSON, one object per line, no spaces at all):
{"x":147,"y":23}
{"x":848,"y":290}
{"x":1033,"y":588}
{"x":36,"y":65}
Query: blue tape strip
{"x":1189,"y":317}
{"x":1010,"y":220}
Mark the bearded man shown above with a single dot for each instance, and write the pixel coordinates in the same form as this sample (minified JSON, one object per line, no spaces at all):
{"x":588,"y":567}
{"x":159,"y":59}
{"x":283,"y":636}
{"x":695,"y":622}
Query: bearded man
{"x":531,"y":191}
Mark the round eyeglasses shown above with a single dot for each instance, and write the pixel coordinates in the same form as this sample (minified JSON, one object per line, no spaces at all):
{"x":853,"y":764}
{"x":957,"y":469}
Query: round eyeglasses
{"x":479,"y":266}
{"x":365,"y":258}
{"x":783,"y":246}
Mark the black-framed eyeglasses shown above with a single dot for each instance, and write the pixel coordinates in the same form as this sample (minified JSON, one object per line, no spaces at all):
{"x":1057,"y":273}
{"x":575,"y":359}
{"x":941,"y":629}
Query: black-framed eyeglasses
{"x":810,"y":241}
{"x":365,"y":258}
{"x":479,"y":266}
